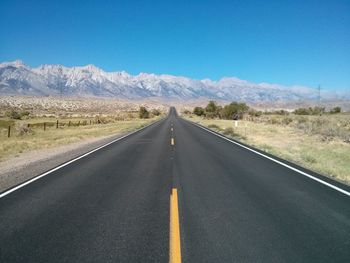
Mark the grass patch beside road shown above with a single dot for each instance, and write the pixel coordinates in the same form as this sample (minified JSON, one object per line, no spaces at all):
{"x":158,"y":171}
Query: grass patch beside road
{"x":36,"y":138}
{"x":312,"y":150}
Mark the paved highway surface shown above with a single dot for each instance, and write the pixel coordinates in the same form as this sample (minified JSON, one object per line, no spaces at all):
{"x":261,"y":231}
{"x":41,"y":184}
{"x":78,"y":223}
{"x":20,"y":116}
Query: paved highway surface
{"x":113,"y":205}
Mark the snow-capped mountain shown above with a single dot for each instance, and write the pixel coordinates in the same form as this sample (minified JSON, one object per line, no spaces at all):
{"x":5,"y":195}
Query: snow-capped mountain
{"x":19,"y":79}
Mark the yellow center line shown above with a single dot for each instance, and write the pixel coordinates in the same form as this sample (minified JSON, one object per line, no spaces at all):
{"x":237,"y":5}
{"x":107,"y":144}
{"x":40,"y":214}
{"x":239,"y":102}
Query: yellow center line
{"x":175,"y":243}
{"x":172,"y":142}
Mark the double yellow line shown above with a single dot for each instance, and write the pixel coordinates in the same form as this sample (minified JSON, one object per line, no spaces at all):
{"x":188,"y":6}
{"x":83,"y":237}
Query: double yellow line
{"x":175,"y":243}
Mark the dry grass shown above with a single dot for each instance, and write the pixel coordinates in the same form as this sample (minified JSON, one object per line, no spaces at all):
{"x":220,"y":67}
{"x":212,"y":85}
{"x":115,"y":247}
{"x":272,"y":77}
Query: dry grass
{"x":79,"y":119}
{"x":321,"y":147}
{"x":36,"y":138}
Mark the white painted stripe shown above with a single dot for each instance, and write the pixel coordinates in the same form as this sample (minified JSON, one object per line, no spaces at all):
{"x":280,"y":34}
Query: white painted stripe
{"x":71,"y":161}
{"x":276,"y":161}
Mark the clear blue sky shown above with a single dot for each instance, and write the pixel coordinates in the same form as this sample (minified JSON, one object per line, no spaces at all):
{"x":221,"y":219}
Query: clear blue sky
{"x":286,"y":42}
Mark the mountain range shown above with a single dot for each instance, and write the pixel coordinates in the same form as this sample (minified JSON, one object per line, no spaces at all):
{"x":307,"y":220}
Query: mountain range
{"x":16,"y":78}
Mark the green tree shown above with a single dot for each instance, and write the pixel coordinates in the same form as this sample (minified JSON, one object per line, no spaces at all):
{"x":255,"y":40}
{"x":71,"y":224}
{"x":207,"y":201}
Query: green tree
{"x":199,"y":111}
{"x":335,"y":110}
{"x":234,"y":110}
{"x":212,"y":110}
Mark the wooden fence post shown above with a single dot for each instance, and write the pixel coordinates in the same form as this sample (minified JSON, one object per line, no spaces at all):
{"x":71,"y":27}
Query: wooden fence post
{"x":57,"y":124}
{"x":44,"y":126}
{"x":78,"y":123}
{"x":69,"y":124}
{"x":9,"y":132}
{"x":90,"y":122}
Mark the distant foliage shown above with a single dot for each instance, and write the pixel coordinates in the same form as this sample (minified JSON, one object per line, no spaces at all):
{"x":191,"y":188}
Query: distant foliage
{"x":335,"y":110}
{"x":143,"y":113}
{"x":16,"y":115}
{"x":254,"y":113}
{"x":277,"y":112}
{"x":212,"y":110}
{"x":186,"y":112}
{"x":199,"y":111}
{"x":156,"y":112}
{"x":310,"y":111}
{"x":316,"y":111}
{"x":234,"y":111}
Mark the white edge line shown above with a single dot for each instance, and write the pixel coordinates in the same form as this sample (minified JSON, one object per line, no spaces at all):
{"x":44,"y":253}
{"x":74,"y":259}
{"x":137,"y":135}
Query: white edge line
{"x":71,"y":161}
{"x":276,"y":161}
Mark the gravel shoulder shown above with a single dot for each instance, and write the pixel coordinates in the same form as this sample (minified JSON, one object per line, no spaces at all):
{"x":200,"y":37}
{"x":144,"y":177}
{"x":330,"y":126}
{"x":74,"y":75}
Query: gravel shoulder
{"x":27,"y":165}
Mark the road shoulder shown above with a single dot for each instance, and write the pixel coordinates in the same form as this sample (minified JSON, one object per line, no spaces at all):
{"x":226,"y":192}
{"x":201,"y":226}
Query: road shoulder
{"x":26,"y":166}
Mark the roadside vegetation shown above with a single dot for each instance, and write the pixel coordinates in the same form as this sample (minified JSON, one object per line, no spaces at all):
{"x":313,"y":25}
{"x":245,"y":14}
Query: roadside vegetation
{"x":315,"y":138}
{"x":29,"y":131}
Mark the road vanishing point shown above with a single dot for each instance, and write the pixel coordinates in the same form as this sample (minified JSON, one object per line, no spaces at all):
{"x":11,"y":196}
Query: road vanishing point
{"x":176,"y":192}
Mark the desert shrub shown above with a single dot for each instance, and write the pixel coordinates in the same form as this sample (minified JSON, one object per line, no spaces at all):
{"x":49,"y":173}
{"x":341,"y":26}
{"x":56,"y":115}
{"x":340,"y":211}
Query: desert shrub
{"x":13,"y":114}
{"x":302,"y":111}
{"x":119,"y":118}
{"x":143,"y":113}
{"x":213,"y":126}
{"x":210,"y":115}
{"x":17,"y":115}
{"x":131,"y":115}
{"x":229,"y":131}
{"x":287,"y":120}
{"x":308,"y":158}
{"x":199,"y":111}
{"x":319,"y":122}
{"x":98,"y":120}
{"x":187,"y":112}
{"x":277,"y":112}
{"x":335,"y":110}
{"x":302,"y":120}
{"x":318,"y":110}
{"x":23,"y":129}
{"x":310,"y":111}
{"x":24,"y":113}
{"x":155,"y":112}
{"x":254,"y":113}
{"x":274,"y":121}
{"x":328,"y":132}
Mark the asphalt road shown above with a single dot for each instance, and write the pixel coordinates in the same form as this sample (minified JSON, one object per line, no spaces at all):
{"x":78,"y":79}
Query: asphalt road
{"x":234,"y":205}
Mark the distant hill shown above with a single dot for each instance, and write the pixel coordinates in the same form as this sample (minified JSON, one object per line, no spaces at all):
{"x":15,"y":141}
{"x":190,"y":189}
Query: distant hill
{"x":16,"y":78}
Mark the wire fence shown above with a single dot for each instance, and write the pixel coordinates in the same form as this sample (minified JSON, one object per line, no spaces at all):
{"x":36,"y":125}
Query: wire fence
{"x":15,"y":129}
